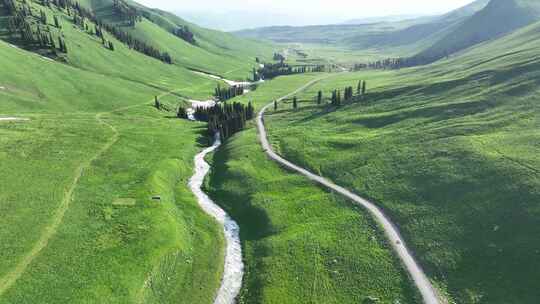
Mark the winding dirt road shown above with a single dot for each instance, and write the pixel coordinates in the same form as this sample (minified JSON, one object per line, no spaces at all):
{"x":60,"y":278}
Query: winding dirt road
{"x":428,"y":292}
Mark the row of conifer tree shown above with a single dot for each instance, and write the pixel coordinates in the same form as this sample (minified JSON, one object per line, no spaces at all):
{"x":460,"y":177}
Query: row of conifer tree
{"x":349,"y":95}
{"x":225,"y":118}
{"x":33,"y":34}
{"x":272,"y":70}
{"x":337,"y":98}
{"x":400,"y":62}
{"x":31,"y":28}
{"x":227,"y":93}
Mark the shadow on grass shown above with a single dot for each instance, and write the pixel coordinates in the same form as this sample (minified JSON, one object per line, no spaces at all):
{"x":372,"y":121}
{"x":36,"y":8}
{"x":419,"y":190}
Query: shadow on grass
{"x":204,"y":139}
{"x":253,"y":221}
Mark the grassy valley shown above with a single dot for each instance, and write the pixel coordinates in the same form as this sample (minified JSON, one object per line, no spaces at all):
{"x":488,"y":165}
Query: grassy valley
{"x":448,"y":151}
{"x":386,"y":38}
{"x":94,"y":192}
{"x":78,"y":178}
{"x":301,"y":244}
{"x":83,"y":169}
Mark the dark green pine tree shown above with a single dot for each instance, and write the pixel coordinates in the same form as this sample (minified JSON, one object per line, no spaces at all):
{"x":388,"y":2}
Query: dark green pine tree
{"x":43,"y":17}
{"x":157,"y":104}
{"x":275,"y":105}
{"x":295,"y":102}
{"x":111,"y":46}
{"x":338,"y":98}
{"x":181,"y":113}
{"x":51,"y":40}
{"x":56,"y":22}
{"x":255,"y":76}
{"x":364,"y":88}
{"x":60,"y":44}
{"x":250,"y":112}
{"x":319,"y":97}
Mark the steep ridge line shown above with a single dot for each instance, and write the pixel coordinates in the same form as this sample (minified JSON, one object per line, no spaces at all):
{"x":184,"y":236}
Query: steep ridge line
{"x":415,"y":271}
{"x":11,"y":277}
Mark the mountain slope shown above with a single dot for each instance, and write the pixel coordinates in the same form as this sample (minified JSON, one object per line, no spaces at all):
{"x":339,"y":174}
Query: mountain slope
{"x":450,"y":151}
{"x":212,"y":51}
{"x":499,"y":17}
{"x":78,"y":221}
{"x":216,"y":52}
{"x":466,"y":11}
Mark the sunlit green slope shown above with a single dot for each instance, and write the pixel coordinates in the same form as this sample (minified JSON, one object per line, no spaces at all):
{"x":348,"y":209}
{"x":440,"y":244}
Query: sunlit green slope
{"x":450,"y":151}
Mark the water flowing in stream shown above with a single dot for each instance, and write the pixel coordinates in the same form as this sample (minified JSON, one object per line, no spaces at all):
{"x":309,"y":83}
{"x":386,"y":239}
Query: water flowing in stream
{"x":234,"y":267}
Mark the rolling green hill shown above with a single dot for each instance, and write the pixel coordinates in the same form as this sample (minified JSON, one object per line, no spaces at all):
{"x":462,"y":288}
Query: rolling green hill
{"x":215,"y":52}
{"x":78,"y":221}
{"x":499,"y":17}
{"x":450,"y":151}
{"x":301,"y":243}
{"x":93,"y":187}
{"x":427,"y":39}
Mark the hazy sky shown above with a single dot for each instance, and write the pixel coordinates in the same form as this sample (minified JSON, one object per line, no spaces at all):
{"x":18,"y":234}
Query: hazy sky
{"x":343,"y":8}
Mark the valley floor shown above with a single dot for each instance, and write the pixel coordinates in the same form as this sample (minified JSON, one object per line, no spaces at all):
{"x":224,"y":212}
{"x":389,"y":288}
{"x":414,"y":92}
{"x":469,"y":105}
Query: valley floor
{"x":87,"y":228}
{"x":96,"y":204}
{"x":449,"y":157}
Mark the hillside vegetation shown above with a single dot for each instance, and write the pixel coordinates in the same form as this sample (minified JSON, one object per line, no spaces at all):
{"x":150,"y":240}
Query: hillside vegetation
{"x":93,"y":192}
{"x":79,"y":222}
{"x":450,"y":152}
{"x":86,"y":188}
{"x":499,"y":17}
{"x":302,"y":244}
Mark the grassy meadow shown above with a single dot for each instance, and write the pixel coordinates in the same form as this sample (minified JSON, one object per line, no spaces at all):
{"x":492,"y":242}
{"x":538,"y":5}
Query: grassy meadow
{"x":114,"y":244}
{"x":301,"y":244}
{"x":79,"y":222}
{"x":450,"y":152}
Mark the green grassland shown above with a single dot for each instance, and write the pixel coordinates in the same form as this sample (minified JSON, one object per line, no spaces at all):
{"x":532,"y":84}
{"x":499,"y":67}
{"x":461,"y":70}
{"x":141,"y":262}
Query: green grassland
{"x":509,"y":15}
{"x":328,"y":54}
{"x":80,"y":193}
{"x":114,"y":243}
{"x":79,"y":225}
{"x":300,"y":243}
{"x":215,"y":52}
{"x":450,"y":151}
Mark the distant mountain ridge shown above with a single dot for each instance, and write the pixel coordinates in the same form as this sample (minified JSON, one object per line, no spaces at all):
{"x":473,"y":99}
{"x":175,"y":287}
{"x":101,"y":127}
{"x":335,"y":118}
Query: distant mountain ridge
{"x":426,"y":39}
{"x":391,"y":18}
{"x":236,"y":20}
{"x":407,"y":36}
{"x":497,"y":18}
